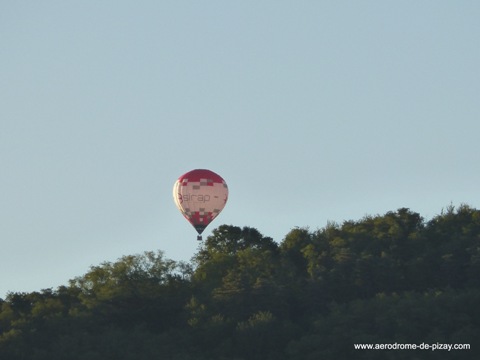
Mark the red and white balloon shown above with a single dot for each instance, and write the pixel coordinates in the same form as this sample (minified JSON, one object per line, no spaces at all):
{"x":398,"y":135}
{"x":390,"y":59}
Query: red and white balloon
{"x":200,"y":195}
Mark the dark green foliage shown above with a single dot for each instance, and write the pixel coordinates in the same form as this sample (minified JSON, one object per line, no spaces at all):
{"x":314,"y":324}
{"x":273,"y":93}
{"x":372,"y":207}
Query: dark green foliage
{"x":382,"y":280}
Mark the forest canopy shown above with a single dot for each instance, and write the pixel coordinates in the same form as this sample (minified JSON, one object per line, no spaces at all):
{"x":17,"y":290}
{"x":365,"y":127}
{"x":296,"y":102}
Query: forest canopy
{"x":385,"y":279}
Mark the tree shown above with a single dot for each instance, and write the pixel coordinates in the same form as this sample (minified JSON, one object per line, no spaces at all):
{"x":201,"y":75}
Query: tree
{"x":382,"y":279}
{"x":220,"y":253}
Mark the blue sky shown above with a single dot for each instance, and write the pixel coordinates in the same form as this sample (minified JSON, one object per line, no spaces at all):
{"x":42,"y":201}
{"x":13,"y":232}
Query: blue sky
{"x":312,"y":111}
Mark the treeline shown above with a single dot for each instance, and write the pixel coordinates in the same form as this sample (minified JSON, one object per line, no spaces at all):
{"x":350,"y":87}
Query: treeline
{"x":387,"y":279}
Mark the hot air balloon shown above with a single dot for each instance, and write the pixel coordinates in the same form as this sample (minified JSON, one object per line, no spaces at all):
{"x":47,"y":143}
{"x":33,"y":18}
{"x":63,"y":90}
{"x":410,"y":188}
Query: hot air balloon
{"x":200,"y":195}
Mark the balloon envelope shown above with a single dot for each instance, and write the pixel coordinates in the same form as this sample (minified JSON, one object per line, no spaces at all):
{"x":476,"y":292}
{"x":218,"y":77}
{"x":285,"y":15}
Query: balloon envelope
{"x":200,"y":195}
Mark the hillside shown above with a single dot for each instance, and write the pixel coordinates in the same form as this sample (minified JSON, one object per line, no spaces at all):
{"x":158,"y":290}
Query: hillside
{"x":386,"y":279}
